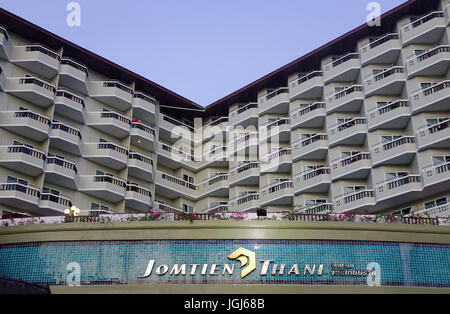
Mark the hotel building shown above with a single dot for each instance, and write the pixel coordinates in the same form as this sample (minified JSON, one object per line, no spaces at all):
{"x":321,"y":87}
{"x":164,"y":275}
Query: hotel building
{"x":361,"y":124}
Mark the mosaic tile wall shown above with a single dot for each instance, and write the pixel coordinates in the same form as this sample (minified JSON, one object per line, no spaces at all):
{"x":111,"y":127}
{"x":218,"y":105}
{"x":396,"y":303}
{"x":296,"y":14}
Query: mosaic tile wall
{"x":123,"y":262}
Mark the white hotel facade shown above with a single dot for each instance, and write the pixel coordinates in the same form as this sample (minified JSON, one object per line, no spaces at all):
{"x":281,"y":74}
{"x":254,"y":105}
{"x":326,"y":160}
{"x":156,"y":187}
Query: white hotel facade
{"x":361,"y":124}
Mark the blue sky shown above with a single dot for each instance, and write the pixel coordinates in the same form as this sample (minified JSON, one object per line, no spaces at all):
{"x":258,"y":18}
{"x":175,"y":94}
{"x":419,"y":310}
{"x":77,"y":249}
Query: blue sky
{"x":200,"y":49}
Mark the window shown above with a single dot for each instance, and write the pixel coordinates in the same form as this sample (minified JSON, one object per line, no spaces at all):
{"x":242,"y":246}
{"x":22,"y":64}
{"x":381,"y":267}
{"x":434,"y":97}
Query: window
{"x":418,"y":52}
{"x":188,"y":209}
{"x":278,"y":180}
{"x":382,"y":104}
{"x":348,"y":154}
{"x":377,"y":71}
{"x":402,"y":212}
{"x":216,"y":204}
{"x":389,"y":138}
{"x":439,"y":160}
{"x":435,"y":203}
{"x":311,"y":168}
{"x":188,"y":178}
{"x":343,"y":120}
{"x":15,"y":180}
{"x":431,"y":122}
{"x":353,"y":189}
{"x":425,"y":85}
{"x":311,"y":203}
{"x":395,"y":175}
{"x":97,"y":209}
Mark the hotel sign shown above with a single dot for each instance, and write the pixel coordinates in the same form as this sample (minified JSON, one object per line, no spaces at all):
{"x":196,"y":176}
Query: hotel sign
{"x":267,"y":267}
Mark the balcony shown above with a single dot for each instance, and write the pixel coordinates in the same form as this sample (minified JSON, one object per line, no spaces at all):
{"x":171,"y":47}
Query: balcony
{"x":144,"y":107}
{"x":214,"y":186}
{"x":274,"y":102}
{"x":394,"y":115}
{"x":143,"y":136}
{"x":438,"y":211}
{"x":172,"y":130}
{"x":358,"y":201}
{"x":107,"y":154}
{"x":437,"y":174}
{"x":309,"y":86}
{"x":168,"y":209}
{"x":322,"y":208}
{"x":425,"y":30}
{"x":31,"y":89}
{"x":343,"y":69}
{"x":355,"y":167}
{"x":400,"y":151}
{"x":217,"y":209}
{"x":351,"y":132}
{"x":2,"y":80}
{"x":105,"y":187}
{"x":74,"y":75}
{"x":112,"y":93}
{"x":52,"y":204}
{"x":389,"y":82}
{"x":310,"y":116}
{"x":245,"y":116}
{"x":22,"y":197}
{"x":110,"y":123}
{"x":140,"y":166}
{"x":214,"y":156}
{"x":244,"y":203}
{"x":216,"y":129}
{"x":434,"y":98}
{"x":313,"y":181}
{"x":279,"y":161}
{"x":245,"y":174}
{"x":173,"y":187}
{"x":70,"y":106}
{"x":278,"y":131}
{"x":434,"y":136}
{"x":37,"y":59}
{"x":175,"y":157}
{"x":384,"y":50}
{"x":26,"y":123}
{"x":245,"y":145}
{"x":280,"y":193}
{"x":433,"y":62}
{"x":312,"y":148}
{"x":350,"y":99}
{"x":399,"y":188}
{"x":61,"y":172}
{"x":65,"y":138}
{"x":5,"y":44}
{"x":138,"y":198}
{"x":22,"y":159}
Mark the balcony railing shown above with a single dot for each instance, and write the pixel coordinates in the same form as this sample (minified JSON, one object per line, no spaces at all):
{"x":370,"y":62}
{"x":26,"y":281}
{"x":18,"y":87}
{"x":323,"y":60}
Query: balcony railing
{"x":352,"y":197}
{"x":272,"y":188}
{"x":114,"y":115}
{"x":380,"y":41}
{"x":313,"y":139}
{"x":118,"y":85}
{"x":395,"y":143}
{"x":22,"y":149}
{"x":243,"y":109}
{"x":315,"y":209}
{"x":342,"y":162}
{"x":38,"y":82}
{"x":245,"y":167}
{"x":392,"y":184}
{"x":273,"y":94}
{"x":389,"y":107}
{"x":245,"y":199}
{"x":110,"y":179}
{"x":144,"y":97}
{"x":347,"y":91}
{"x":66,"y":128}
{"x":385,"y":73}
{"x":62,"y":162}
{"x":178,"y":181}
{"x":356,"y":121}
{"x":432,"y":129}
{"x":278,"y":154}
{"x":58,"y":199}
{"x":425,"y":19}
{"x":307,"y":175}
{"x":303,"y":111}
{"x":44,"y":50}
{"x":178,"y":153}
{"x":277,"y":123}
{"x":142,"y":127}
{"x":32,"y":191}
{"x":70,"y":96}
{"x":341,"y":60}
{"x":74,"y":64}
{"x":138,"y":189}
{"x":140,"y":157}
{"x":32,"y":115}
{"x":114,"y":147}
